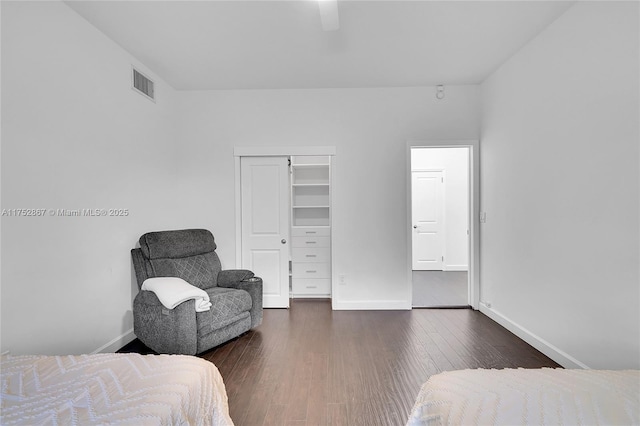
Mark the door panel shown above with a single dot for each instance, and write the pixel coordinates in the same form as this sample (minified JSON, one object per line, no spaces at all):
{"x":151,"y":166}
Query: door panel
{"x":428,"y":220}
{"x":265,"y":225}
{"x":263,"y":261}
{"x":264,"y":199}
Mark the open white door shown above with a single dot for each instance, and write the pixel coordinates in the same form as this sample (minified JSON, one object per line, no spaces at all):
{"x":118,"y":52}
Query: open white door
{"x":427,"y":212}
{"x":265,"y":225}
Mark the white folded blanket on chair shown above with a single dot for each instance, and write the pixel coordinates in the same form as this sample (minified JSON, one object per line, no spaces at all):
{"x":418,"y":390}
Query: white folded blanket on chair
{"x":172,"y":291}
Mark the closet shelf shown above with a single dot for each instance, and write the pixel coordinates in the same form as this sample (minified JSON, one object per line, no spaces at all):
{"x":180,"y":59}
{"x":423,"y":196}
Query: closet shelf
{"x":310,"y":226}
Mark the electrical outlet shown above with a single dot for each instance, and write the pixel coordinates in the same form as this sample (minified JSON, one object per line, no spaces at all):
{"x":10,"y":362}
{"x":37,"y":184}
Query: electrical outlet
{"x":342,"y":279}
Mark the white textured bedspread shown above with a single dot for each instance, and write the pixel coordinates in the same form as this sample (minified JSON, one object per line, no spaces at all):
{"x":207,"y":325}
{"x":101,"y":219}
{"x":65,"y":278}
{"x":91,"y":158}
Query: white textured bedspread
{"x":529,"y":397}
{"x":108,"y":389}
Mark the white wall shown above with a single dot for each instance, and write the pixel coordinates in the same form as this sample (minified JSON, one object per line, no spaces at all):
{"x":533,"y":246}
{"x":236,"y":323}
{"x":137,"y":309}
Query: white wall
{"x":368,"y":127}
{"x":455,"y":164}
{"x":75,"y":135}
{"x":560,"y":185}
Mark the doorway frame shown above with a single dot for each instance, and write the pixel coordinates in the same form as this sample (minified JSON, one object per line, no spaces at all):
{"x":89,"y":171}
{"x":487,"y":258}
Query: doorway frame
{"x":474,"y":211}
{"x":280,"y":151}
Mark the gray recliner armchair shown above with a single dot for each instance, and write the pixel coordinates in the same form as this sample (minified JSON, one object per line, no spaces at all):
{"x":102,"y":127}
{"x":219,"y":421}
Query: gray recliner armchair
{"x":236,"y":295}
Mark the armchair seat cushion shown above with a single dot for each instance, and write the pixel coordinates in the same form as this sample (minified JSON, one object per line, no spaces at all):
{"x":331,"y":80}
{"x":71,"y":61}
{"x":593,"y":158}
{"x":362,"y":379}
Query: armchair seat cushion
{"x":227,"y":305}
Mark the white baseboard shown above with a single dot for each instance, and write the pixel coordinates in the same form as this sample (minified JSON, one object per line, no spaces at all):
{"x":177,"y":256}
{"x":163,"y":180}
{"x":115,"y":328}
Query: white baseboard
{"x":456,"y":268}
{"x":562,"y":358}
{"x":116,"y":343}
{"x":372,"y":305}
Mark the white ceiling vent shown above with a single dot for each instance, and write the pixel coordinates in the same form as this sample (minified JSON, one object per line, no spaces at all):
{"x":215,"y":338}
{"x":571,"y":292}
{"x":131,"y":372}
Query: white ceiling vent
{"x":142,"y":84}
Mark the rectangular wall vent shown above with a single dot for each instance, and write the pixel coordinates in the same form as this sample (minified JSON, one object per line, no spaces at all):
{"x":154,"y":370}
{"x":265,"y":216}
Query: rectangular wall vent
{"x":143,"y":84}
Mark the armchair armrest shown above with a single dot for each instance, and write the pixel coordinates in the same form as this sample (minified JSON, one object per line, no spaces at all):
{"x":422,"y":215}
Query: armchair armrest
{"x":243,"y":279}
{"x":172,"y":331}
{"x":231,"y":277}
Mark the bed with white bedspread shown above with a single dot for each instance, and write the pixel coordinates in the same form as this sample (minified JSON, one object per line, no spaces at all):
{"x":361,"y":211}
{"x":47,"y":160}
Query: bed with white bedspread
{"x":544,"y":396}
{"x":109,"y":389}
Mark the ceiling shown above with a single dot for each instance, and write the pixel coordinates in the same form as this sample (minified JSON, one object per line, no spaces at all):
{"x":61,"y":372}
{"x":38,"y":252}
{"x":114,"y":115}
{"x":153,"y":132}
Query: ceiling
{"x":199,"y":45}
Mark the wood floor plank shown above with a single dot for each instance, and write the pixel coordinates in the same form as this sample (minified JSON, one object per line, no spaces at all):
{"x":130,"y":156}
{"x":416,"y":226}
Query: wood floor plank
{"x":337,"y":414}
{"x":275,"y":415}
{"x":318,"y":390}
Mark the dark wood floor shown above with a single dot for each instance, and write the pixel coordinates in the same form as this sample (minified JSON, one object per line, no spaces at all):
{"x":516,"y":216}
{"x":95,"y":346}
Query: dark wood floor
{"x":309,"y":365}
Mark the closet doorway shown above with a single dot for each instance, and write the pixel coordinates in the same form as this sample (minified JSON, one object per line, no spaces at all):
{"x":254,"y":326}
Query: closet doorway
{"x":441,"y":206}
{"x":283,"y":201}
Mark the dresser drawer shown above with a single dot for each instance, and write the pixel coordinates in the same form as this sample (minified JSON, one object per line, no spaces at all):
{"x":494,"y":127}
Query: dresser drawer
{"x":311,"y":286}
{"x":310,"y":232}
{"x":311,"y":242}
{"x":310,"y":270}
{"x":322,"y":254}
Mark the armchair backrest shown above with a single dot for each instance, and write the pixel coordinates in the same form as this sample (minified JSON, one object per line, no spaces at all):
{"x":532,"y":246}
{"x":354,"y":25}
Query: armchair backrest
{"x":188,"y":254}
